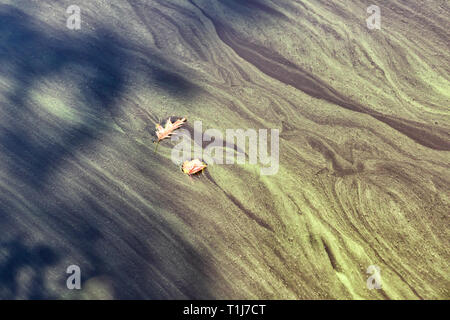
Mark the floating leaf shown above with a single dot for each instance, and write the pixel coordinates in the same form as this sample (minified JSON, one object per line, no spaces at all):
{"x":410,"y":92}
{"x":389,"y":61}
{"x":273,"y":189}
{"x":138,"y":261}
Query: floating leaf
{"x":167,"y":130}
{"x":193,"y":166}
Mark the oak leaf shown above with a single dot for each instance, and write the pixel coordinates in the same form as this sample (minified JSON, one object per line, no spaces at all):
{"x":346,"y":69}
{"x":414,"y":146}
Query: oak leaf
{"x":167,"y":130}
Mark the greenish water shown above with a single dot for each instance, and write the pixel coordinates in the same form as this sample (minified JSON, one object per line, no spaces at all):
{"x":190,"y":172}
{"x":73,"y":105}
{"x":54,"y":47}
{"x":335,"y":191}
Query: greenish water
{"x":364,"y":150}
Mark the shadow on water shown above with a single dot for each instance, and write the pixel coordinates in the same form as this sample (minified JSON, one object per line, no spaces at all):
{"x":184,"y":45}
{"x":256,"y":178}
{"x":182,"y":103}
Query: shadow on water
{"x":18,"y":255}
{"x":32,"y":56}
{"x":29,"y":55}
{"x":33,"y":145}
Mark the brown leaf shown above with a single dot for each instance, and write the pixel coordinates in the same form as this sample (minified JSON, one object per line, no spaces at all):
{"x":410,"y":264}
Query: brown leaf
{"x":193,"y":166}
{"x":167,"y":130}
